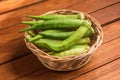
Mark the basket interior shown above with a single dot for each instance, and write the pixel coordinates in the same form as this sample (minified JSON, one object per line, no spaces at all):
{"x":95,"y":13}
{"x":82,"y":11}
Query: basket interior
{"x":94,"y":39}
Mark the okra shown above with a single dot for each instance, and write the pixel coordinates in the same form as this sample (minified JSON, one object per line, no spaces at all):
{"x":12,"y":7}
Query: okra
{"x":42,"y":42}
{"x":56,"y":34}
{"x":70,"y":41}
{"x":62,"y":34}
{"x":58,"y":16}
{"x":57,"y":24}
{"x":77,"y":49}
{"x":75,"y":37}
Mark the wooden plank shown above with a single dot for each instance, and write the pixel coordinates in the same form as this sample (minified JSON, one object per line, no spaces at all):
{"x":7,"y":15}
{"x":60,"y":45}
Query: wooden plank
{"x":19,"y":67}
{"x":24,"y":67}
{"x":13,"y":33}
{"x":17,"y":16}
{"x":13,"y":50}
{"x":111,"y":31}
{"x":101,"y":13}
{"x":92,"y":5}
{"x":108,"y":72}
{"x":107,"y":17}
{"x":8,"y":5}
{"x":8,"y":19}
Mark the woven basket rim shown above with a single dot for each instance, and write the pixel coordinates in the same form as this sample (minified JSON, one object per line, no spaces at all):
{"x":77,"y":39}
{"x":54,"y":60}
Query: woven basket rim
{"x":92,"y":48}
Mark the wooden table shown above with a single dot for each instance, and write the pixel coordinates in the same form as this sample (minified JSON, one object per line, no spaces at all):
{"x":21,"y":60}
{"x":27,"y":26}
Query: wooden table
{"x":18,"y":63}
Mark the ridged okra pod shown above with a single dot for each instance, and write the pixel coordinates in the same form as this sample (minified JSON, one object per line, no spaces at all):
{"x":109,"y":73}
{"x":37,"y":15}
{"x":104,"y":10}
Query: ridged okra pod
{"x":77,"y":49}
{"x":56,"y":24}
{"x":59,"y":16}
{"x":70,"y":41}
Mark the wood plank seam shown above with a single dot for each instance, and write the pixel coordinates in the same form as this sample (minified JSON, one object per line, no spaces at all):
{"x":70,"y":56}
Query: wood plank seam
{"x":29,"y":74}
{"x":15,"y":58}
{"x":23,"y":6}
{"x":13,"y":39}
{"x":68,"y":7}
{"x":30,"y":5}
{"x":107,"y":23}
{"x":111,"y":40}
{"x":95,"y":68}
{"x":105,"y":7}
{"x":117,"y":19}
{"x":73,"y":4}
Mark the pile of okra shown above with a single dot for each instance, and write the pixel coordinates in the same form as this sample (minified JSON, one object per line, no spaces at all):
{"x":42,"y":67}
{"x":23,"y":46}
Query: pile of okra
{"x":60,"y":35}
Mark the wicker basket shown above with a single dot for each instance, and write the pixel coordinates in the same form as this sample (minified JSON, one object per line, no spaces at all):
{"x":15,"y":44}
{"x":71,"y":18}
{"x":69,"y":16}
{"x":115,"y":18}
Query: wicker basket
{"x":74,"y":62}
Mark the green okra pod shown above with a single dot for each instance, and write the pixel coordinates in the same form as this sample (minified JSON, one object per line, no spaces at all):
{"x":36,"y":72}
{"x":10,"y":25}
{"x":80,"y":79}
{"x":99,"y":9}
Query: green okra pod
{"x":56,"y":34}
{"x":57,"y":24}
{"x":70,"y":41}
{"x":58,"y":16}
{"x":42,"y":42}
{"x":75,"y":37}
{"x":62,"y":34}
{"x":77,"y":49}
{"x":34,"y":25}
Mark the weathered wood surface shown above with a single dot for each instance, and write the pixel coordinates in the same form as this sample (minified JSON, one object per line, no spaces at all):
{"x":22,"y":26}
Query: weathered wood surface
{"x":7,"y":40}
{"x":10,"y":5}
{"x":17,"y":62}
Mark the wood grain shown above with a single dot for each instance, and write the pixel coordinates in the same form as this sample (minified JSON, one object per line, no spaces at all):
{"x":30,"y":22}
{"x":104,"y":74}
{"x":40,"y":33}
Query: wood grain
{"x":93,"y":5}
{"x":8,"y":19}
{"x":20,"y":67}
{"x":23,"y":69}
{"x":29,"y":68}
{"x":8,"y":5}
{"x":15,"y":17}
{"x":107,"y":17}
{"x":13,"y":50}
{"x":110,"y":71}
{"x":111,"y":31}
{"x":13,"y":34}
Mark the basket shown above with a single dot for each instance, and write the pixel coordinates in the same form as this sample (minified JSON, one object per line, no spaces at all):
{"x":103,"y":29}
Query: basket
{"x":73,"y":62}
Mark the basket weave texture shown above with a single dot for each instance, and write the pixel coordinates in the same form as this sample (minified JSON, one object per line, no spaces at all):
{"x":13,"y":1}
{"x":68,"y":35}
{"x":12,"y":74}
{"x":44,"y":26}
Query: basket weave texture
{"x":73,"y":62}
